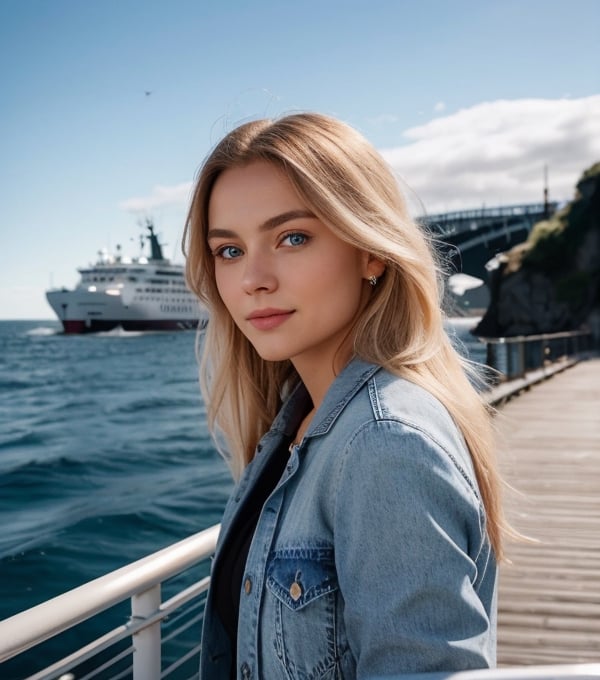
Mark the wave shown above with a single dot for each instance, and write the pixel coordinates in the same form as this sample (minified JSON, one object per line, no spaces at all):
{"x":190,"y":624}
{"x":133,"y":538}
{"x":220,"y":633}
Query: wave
{"x":43,"y":330}
{"x":148,"y":404}
{"x":43,"y":474}
{"x":16,"y":384}
{"x":119,"y":332}
{"x":29,"y":438}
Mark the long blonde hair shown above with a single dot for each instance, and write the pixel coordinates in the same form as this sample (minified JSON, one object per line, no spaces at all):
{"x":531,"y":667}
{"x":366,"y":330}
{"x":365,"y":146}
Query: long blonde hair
{"x":348,"y":186}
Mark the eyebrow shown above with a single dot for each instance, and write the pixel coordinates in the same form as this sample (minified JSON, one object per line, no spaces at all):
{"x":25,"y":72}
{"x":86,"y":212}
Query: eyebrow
{"x":267,"y":225}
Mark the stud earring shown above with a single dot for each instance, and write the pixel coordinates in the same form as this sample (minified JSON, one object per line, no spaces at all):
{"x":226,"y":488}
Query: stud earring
{"x":373,"y":280}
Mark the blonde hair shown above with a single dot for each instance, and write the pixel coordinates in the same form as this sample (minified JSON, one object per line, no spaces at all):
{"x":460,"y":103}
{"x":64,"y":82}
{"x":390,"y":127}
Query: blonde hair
{"x":348,"y":186}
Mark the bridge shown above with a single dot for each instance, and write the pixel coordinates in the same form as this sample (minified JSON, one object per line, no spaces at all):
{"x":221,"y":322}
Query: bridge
{"x":469,"y":239}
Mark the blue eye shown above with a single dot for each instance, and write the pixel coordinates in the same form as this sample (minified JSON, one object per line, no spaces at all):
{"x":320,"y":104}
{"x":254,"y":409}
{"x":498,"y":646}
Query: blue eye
{"x":295,"y":239}
{"x":229,"y":252}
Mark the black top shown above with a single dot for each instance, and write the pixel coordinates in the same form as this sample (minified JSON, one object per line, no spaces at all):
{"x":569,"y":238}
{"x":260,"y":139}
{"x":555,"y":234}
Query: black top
{"x":227,"y":584}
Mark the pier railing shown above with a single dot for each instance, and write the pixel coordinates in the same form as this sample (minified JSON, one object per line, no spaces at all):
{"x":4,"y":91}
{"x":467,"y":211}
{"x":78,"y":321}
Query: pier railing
{"x":133,"y":649}
{"x":513,"y":357}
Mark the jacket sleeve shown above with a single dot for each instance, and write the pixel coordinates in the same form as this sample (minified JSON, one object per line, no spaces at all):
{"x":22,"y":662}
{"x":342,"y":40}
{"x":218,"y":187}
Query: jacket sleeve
{"x":409,"y":529}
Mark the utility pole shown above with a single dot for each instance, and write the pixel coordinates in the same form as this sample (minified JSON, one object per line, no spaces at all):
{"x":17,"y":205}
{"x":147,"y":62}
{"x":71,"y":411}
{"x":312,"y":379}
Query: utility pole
{"x":546,"y":203}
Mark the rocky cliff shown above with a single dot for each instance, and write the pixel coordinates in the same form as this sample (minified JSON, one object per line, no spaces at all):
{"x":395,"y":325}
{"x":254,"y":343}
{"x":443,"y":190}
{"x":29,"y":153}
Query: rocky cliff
{"x":551,"y":282}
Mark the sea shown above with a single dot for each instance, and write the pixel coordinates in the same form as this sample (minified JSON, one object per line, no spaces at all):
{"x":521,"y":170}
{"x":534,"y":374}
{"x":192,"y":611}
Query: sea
{"x":105,"y":457}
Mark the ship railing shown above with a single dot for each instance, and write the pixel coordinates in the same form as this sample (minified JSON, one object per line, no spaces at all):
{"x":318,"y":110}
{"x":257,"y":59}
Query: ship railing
{"x":142,"y":655}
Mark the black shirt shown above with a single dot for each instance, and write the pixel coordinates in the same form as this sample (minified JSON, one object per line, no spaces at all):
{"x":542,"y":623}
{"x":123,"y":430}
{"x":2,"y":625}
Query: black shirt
{"x":227,"y":583}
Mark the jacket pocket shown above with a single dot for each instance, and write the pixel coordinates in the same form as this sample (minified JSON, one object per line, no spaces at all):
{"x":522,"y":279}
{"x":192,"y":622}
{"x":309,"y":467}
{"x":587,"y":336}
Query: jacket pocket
{"x":297,"y":576}
{"x":302,"y":596}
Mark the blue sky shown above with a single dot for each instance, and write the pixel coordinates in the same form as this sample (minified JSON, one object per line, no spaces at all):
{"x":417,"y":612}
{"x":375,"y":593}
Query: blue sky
{"x":467,"y":99}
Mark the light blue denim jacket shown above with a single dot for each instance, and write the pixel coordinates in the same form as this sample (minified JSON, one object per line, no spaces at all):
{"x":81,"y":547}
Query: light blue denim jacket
{"x":370,"y":558}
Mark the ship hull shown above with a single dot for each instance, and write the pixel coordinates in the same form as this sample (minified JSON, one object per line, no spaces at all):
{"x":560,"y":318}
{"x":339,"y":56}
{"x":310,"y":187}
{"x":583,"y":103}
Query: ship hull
{"x":81,"y":326}
{"x":84,"y":312}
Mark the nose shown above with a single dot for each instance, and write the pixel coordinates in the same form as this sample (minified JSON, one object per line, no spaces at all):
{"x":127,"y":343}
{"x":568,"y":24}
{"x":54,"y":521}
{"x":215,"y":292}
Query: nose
{"x":259,"y":274}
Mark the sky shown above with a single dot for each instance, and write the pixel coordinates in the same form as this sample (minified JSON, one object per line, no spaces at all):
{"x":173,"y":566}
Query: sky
{"x":108,"y":108}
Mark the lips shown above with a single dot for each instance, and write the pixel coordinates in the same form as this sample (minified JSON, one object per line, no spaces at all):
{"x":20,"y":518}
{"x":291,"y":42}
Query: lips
{"x":266,"y":319}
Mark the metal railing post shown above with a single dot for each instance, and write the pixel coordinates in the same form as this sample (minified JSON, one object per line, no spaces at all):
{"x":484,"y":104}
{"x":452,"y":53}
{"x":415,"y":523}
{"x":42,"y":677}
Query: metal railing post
{"x":491,"y":358}
{"x":521,"y":351}
{"x":509,"y":361}
{"x":146,"y":642}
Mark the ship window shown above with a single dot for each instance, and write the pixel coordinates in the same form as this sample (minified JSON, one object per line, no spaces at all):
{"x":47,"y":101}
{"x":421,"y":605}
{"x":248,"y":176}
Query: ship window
{"x":132,"y":278}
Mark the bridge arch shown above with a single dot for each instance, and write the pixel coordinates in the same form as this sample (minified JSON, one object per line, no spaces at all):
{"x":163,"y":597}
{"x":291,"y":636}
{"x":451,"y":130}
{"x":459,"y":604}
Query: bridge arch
{"x":469,"y":239}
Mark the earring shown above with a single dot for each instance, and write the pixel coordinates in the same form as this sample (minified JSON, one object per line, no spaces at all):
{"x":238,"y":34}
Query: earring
{"x":373,"y":280}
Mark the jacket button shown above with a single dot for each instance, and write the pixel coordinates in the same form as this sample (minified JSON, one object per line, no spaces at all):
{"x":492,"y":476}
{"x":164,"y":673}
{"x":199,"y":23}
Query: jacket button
{"x":295,"y":591}
{"x":248,"y":586}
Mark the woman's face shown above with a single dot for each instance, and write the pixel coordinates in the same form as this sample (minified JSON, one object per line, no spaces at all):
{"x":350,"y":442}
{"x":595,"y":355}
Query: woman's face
{"x":291,"y":286}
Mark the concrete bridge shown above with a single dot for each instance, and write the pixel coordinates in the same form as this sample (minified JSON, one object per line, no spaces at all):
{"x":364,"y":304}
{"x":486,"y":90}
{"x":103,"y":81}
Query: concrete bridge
{"x":468,"y":239}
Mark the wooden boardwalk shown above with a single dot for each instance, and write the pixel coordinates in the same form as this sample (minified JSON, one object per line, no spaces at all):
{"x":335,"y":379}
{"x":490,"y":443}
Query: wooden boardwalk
{"x":549,"y":597}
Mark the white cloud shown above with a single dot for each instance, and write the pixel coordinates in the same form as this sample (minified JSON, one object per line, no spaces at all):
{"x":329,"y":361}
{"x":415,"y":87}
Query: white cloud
{"x":490,"y":154}
{"x":161,"y":196}
{"x":494,"y":153}
{"x":439,"y":107}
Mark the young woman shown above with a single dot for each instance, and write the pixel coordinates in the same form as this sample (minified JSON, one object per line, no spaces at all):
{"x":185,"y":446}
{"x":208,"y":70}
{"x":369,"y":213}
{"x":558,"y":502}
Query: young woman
{"x":362,"y":537}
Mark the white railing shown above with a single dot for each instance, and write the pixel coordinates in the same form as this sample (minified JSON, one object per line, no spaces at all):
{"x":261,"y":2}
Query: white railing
{"x":140,"y":582}
{"x":583,"y":671}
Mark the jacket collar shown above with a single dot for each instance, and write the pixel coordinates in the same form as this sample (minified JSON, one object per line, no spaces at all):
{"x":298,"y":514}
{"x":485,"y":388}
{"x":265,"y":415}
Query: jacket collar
{"x":347,"y":383}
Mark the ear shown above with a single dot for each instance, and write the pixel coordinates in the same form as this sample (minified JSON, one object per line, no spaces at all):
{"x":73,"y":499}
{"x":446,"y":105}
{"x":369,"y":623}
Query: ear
{"x":372,"y":266}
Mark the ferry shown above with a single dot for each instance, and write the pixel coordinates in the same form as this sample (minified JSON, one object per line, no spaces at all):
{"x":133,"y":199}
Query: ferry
{"x":135,"y":294}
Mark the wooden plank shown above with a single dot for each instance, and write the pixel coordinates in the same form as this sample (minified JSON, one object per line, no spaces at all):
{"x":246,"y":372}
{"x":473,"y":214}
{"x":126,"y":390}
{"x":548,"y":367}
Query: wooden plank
{"x":549,"y":595}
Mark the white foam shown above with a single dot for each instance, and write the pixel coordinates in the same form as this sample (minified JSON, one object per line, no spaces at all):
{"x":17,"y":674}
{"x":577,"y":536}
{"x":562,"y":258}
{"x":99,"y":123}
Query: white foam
{"x":42,"y":330}
{"x":119,"y":332}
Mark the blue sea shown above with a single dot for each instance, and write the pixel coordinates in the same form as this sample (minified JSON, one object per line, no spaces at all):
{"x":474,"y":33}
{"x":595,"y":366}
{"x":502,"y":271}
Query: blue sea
{"x":104,"y":458}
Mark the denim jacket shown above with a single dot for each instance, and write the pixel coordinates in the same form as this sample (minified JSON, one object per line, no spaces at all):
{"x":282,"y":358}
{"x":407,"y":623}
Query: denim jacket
{"x":370,"y":558}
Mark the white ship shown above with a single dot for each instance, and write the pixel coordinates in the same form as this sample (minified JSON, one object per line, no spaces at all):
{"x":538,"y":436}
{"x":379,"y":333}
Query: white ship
{"x":133,"y":293}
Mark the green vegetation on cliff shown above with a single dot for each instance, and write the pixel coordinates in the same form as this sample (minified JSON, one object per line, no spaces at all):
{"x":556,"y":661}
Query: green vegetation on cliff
{"x":551,"y":282}
{"x":552,"y":243}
